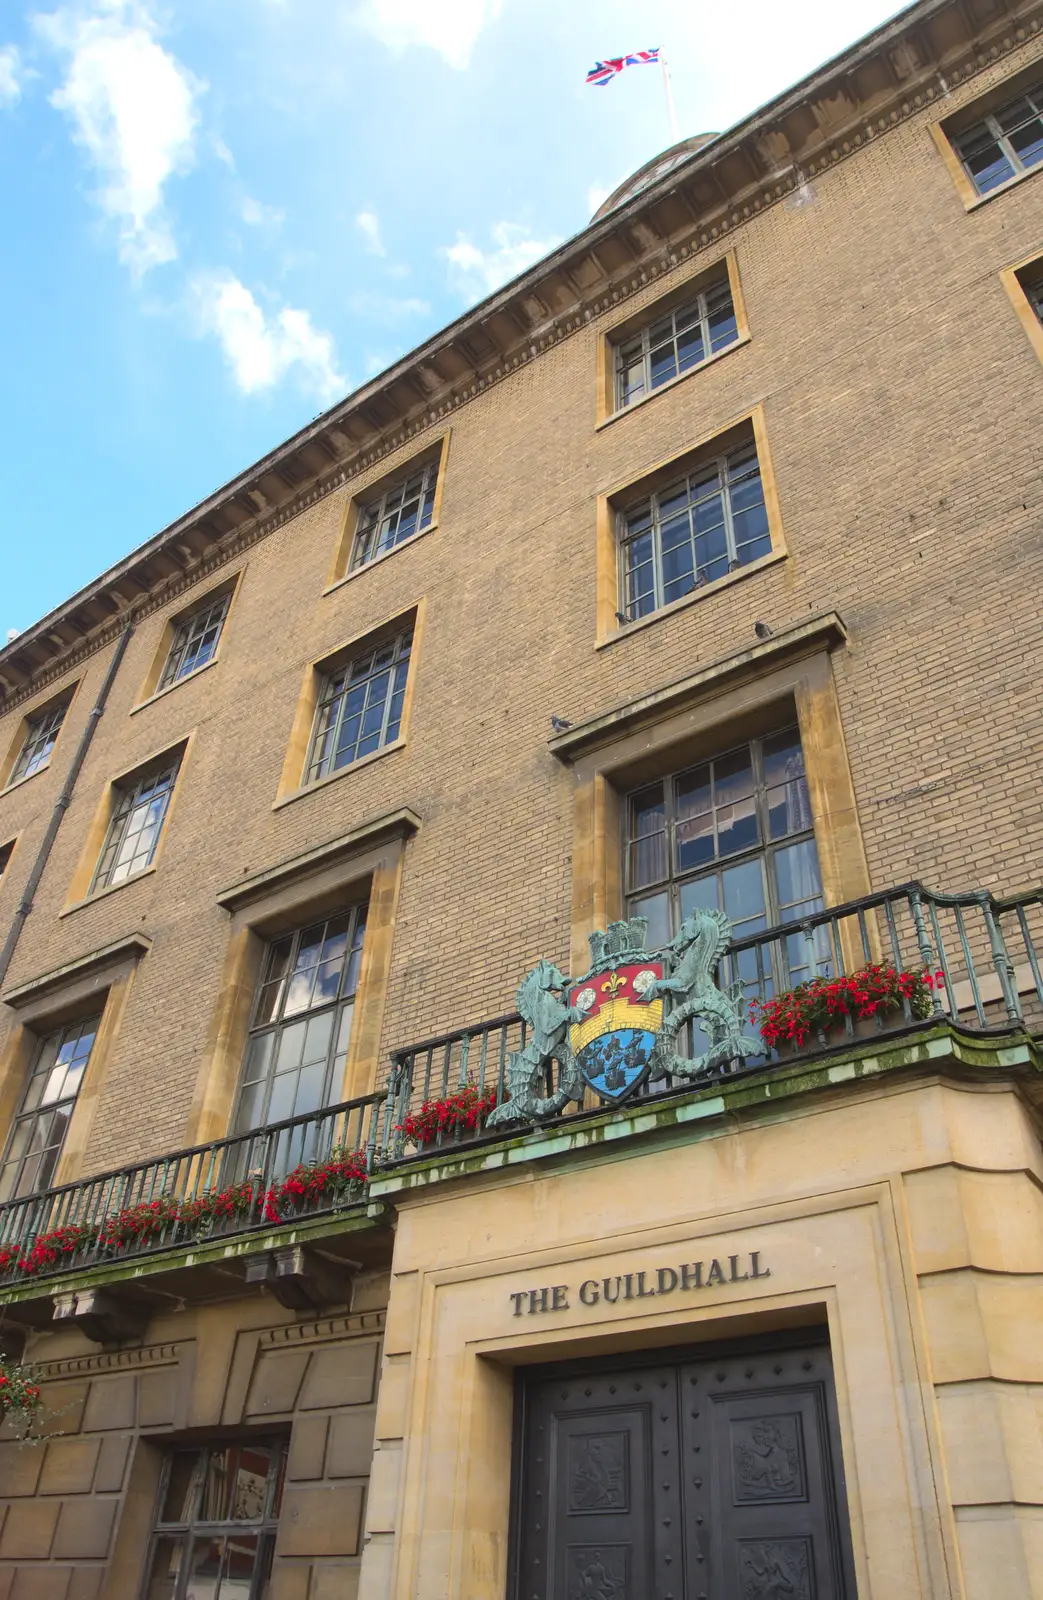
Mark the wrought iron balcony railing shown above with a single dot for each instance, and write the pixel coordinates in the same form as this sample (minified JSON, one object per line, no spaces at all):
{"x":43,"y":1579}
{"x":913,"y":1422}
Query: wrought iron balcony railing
{"x":304,"y":1167}
{"x":983,"y":954}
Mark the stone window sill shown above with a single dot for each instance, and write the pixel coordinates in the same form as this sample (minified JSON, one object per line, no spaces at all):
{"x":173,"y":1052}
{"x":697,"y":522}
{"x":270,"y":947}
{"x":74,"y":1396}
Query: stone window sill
{"x":682,"y":377}
{"x":342,"y":772}
{"x":367,"y":566}
{"x":103,"y":894}
{"x":696,"y":596}
{"x":10,"y":788}
{"x":1002,"y":188}
{"x":161,"y":694}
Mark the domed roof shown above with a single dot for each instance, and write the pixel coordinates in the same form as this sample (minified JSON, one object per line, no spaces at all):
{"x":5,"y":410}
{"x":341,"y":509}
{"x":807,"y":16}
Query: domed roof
{"x":656,"y":168}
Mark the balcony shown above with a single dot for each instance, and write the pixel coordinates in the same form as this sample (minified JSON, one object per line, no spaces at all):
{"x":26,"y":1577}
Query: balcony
{"x":199,"y":1212}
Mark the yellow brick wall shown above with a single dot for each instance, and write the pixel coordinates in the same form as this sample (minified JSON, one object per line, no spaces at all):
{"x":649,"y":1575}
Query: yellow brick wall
{"x":903,"y":403}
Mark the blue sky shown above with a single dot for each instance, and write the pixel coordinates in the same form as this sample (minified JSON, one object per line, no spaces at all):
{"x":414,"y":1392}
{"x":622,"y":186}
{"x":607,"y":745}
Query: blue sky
{"x":219,"y":216}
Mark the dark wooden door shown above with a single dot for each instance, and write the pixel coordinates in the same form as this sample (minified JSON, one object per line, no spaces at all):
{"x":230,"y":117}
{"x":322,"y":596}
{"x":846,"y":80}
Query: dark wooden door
{"x":717,"y":1478}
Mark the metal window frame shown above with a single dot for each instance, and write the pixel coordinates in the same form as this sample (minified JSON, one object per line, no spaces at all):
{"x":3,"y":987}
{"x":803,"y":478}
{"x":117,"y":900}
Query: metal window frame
{"x":990,"y":123}
{"x":118,"y":828}
{"x":22,"y":1116}
{"x":187,"y":633}
{"x":45,"y":725}
{"x":358,"y":913}
{"x":698,"y":302}
{"x":266,"y":1527}
{"x":674,"y":879}
{"x":625,"y":538}
{"x":366,"y":544}
{"x":1032,"y":289}
{"x":314,"y":771}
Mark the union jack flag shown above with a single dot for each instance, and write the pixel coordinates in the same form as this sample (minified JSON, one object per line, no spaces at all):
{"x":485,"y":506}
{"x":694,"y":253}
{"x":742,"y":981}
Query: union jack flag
{"x":603,"y":72}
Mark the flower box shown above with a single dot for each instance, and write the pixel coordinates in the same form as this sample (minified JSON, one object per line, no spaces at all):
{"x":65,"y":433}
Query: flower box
{"x":450,"y":1118}
{"x":816,"y":1014}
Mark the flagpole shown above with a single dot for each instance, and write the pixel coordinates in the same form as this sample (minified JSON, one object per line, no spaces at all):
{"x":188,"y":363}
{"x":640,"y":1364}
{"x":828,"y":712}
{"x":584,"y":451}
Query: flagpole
{"x":668,"y":91}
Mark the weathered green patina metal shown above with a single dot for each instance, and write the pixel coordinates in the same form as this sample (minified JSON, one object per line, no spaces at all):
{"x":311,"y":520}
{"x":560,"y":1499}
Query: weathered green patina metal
{"x":618,"y":1024}
{"x":691,"y":957}
{"x":547,"y":1016}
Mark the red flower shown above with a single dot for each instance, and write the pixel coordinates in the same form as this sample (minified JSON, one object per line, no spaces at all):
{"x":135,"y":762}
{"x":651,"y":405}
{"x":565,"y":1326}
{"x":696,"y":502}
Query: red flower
{"x":464,"y":1111}
{"x":815,"y":1006}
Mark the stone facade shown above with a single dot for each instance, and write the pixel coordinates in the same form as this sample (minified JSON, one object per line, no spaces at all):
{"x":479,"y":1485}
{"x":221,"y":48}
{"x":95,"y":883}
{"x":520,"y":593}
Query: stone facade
{"x":894,"y":386}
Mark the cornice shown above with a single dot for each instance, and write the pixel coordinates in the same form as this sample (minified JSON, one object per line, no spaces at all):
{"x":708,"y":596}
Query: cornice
{"x":346,"y":1327}
{"x":153,"y":1355}
{"x":895,"y":73}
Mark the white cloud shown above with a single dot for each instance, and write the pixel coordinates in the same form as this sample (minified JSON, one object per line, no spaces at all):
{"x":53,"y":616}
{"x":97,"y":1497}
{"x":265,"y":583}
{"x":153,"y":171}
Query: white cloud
{"x":257,"y":215}
{"x":386,"y":307}
{"x":476,"y":272}
{"x":369,"y":223}
{"x":133,"y":109}
{"x":260,"y":348}
{"x":449,"y":26}
{"x":10,"y":75}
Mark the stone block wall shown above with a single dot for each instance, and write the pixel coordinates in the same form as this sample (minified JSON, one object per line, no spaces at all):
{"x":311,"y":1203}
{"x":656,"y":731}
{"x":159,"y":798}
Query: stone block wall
{"x":77,"y":1504}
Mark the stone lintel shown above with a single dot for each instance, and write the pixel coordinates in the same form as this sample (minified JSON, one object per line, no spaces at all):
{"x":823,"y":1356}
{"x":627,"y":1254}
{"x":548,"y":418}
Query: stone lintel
{"x":823,"y":632}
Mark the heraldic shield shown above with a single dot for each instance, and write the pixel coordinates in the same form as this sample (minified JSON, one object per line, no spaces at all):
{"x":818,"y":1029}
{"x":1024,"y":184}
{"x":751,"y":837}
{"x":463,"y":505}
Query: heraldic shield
{"x":613,"y":1045}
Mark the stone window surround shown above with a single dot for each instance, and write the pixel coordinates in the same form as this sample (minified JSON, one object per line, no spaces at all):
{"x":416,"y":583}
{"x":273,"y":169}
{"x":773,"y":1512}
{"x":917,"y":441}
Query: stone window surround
{"x":946,"y":131}
{"x":150,"y":689}
{"x":291,"y":782}
{"x":80,"y":894}
{"x":341,"y":571}
{"x":100,"y":981}
{"x":756,"y":689}
{"x":1014,"y":279}
{"x":365,"y":863}
{"x":612,"y":502}
{"x":612,"y":337}
{"x":67,"y":695}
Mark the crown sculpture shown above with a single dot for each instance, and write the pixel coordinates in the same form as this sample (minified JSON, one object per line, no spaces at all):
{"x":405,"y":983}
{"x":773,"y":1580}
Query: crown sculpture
{"x":617,"y":1027}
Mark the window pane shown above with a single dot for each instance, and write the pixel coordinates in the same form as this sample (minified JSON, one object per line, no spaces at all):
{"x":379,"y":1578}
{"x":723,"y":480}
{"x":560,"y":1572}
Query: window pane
{"x":734,"y":803}
{"x":691,"y":348}
{"x":656,"y":907}
{"x":986,"y":163}
{"x":797,"y":880}
{"x":185,"y":1475}
{"x":742,"y":890}
{"x":240,"y":1562}
{"x":700,"y":894}
{"x":204,"y":1568}
{"x":166,"y":1567}
{"x":648,"y":833}
{"x":290,"y":1047}
{"x":788,"y":802}
{"x":1028,"y":142}
{"x":341,"y":1055}
{"x":693,"y":833}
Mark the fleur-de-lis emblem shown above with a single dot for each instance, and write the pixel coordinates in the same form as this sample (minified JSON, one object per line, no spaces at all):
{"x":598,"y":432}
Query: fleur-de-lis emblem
{"x":612,"y":985}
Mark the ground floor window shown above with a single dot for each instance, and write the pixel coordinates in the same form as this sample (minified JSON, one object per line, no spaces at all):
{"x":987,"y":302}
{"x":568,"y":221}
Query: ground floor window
{"x":215,"y":1530}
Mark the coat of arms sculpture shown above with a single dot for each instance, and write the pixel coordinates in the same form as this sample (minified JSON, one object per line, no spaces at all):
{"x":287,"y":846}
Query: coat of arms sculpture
{"x":617,"y":1027}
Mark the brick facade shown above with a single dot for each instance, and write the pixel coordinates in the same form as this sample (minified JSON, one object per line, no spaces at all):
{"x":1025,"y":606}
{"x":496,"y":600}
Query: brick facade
{"x":901,"y":401}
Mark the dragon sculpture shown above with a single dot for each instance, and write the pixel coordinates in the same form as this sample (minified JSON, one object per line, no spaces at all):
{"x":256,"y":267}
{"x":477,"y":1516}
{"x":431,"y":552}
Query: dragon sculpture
{"x":547,"y":1017}
{"x":691,"y":958}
